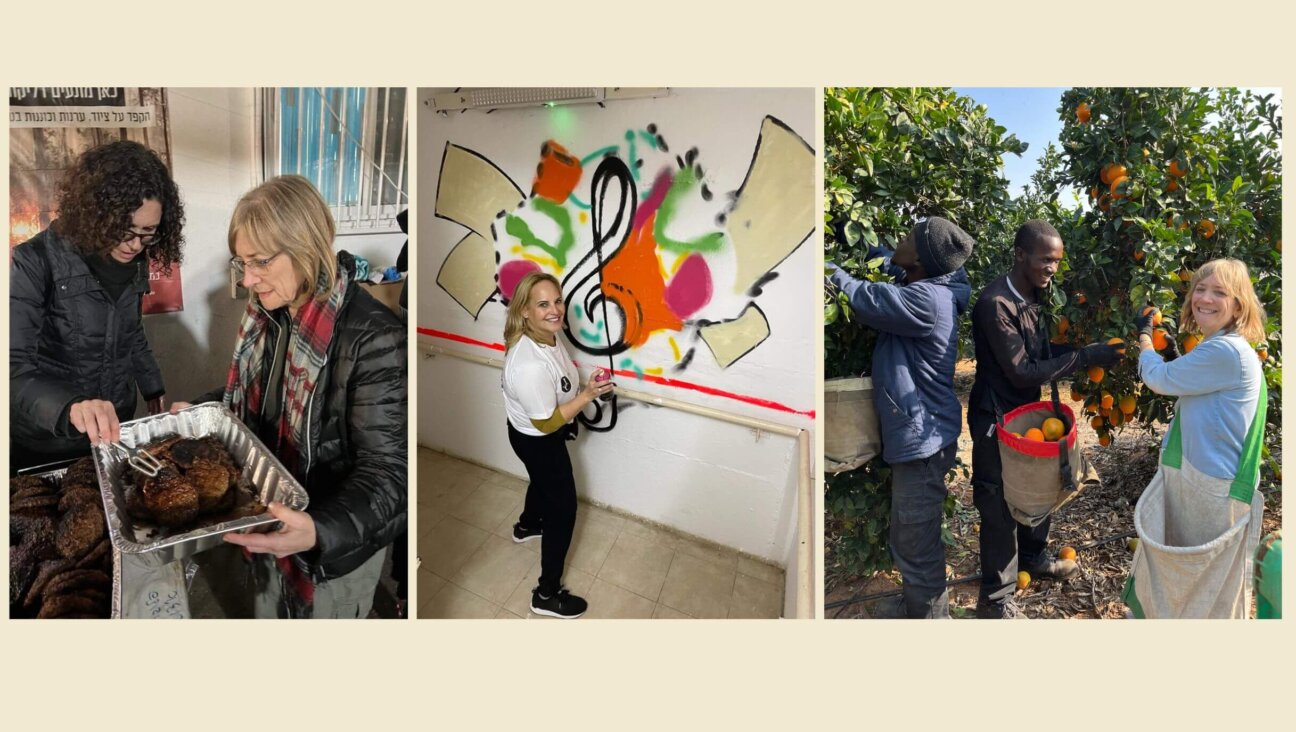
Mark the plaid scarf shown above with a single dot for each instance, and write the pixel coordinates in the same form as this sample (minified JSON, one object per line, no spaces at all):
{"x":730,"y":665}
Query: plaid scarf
{"x":303,"y":361}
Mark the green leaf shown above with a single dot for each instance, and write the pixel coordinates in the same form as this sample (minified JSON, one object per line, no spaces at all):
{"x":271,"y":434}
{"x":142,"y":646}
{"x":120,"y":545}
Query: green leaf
{"x":853,"y":232}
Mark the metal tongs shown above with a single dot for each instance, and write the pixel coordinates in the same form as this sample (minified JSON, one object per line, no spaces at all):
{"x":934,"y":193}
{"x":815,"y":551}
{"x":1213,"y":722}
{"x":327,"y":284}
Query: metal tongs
{"x":140,"y":459}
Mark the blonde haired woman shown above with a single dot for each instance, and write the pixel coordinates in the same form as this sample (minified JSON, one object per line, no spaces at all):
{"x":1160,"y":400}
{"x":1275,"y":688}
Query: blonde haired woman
{"x":542,"y":395}
{"x":319,"y":374}
{"x":1215,"y":439}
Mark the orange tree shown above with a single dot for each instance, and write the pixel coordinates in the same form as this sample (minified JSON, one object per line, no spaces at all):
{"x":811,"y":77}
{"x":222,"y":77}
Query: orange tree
{"x":891,"y":156}
{"x":1173,"y":178}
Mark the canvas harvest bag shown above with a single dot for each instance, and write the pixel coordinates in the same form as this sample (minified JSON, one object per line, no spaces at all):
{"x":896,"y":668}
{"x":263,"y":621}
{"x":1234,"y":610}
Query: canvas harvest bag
{"x":851,"y":433}
{"x":1039,"y":476}
{"x":1197,"y":534}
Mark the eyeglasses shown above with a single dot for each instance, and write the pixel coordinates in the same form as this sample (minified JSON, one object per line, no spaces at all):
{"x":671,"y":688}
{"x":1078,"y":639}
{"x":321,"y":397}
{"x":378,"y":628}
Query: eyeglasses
{"x":146,"y":238}
{"x":257,"y":266}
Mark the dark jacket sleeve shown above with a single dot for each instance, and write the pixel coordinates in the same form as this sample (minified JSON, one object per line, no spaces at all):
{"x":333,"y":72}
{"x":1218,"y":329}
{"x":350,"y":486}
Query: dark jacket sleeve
{"x":148,"y":377}
{"x":215,"y":395}
{"x":37,"y":398}
{"x":1009,"y":349}
{"x":908,"y":311}
{"x":369,"y":509}
{"x":880,"y":252}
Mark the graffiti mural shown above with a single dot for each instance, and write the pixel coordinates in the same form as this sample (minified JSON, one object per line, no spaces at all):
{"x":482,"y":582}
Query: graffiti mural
{"x":657,"y":268}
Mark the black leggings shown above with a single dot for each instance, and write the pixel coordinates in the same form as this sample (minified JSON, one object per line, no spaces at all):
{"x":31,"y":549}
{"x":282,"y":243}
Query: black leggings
{"x":550,"y":500}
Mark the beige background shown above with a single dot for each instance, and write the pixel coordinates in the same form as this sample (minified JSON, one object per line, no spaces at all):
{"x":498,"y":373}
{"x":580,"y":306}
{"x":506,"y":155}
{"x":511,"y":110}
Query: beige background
{"x":644,"y":675}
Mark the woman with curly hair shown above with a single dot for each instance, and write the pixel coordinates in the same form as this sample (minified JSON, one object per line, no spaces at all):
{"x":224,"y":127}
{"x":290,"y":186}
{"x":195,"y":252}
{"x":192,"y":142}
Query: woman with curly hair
{"x":77,"y":349}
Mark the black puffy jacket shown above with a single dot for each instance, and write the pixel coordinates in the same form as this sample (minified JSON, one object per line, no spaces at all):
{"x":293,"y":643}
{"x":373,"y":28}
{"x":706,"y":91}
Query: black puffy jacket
{"x":357,"y":455}
{"x":69,"y":341}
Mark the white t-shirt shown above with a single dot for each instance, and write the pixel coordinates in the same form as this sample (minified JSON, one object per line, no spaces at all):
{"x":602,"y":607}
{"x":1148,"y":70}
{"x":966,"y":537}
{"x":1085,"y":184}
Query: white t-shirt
{"x":537,"y":378}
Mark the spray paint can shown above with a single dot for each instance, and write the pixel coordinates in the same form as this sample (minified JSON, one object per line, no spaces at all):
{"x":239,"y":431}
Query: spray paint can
{"x":601,"y":376}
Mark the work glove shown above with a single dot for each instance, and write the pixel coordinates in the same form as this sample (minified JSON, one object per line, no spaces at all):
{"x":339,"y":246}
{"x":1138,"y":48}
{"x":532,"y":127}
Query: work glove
{"x":1100,"y":354}
{"x":1144,"y":323}
{"x":1172,"y":348}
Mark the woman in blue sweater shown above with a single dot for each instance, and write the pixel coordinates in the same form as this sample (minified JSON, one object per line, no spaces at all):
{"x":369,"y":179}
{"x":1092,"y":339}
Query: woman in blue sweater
{"x":1218,"y":382}
{"x":1205,"y":492}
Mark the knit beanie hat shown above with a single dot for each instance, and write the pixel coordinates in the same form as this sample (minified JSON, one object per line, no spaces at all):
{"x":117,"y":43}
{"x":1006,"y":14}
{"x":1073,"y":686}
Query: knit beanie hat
{"x":942,"y":246}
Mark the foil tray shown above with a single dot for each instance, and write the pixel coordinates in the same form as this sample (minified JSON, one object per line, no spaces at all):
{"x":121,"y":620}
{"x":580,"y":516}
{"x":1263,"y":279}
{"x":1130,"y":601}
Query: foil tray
{"x":56,"y":477}
{"x":157,"y":545}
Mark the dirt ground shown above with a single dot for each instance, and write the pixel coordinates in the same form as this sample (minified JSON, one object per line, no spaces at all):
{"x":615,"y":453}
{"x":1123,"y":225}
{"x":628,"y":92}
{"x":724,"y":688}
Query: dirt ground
{"x":1096,"y":522}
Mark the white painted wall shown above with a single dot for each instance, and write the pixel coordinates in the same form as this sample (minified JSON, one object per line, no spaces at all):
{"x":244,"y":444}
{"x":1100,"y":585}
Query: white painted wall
{"x":708,"y":478}
{"x":213,"y":163}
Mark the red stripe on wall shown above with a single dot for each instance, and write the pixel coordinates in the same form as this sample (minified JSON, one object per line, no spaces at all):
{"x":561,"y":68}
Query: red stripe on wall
{"x":673,"y":383}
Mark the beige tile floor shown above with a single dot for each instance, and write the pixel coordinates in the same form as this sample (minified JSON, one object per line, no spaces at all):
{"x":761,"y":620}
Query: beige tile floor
{"x":625,"y":568}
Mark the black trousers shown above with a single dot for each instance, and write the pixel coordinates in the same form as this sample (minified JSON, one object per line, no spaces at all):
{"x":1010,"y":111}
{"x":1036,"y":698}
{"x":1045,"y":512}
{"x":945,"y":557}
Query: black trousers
{"x":550,"y":500}
{"x":1005,"y":544}
{"x":917,"y":506}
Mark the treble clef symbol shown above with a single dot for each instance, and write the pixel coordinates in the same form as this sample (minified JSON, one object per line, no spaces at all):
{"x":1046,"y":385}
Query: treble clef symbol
{"x":612,"y":211}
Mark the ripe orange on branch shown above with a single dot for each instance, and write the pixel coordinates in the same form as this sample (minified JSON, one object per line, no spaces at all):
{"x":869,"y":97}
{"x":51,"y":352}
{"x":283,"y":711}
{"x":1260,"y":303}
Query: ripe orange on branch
{"x":1206,"y":228}
{"x":1082,"y":112}
{"x":1096,"y":374}
{"x":1175,"y":170}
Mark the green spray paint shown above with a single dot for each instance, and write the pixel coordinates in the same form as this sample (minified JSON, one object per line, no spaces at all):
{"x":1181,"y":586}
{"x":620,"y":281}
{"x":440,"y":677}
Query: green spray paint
{"x":684,"y":182}
{"x":518,"y":228}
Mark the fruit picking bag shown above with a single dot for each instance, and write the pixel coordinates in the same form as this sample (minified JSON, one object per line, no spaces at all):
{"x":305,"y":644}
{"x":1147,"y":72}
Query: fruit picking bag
{"x":1039,"y":476}
{"x":1197,"y":534}
{"x":851,"y":433}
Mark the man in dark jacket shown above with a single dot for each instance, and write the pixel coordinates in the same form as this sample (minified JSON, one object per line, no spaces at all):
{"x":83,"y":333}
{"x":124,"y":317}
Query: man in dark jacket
{"x":1013,"y":360}
{"x":913,"y":383}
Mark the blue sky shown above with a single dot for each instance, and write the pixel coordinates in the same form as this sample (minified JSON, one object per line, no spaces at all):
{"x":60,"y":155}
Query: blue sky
{"x":1031,"y":114}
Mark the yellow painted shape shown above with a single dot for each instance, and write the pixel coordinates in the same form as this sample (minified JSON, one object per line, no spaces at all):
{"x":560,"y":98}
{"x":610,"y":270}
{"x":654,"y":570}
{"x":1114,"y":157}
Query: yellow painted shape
{"x":468,"y":273}
{"x":732,"y":340}
{"x":775,"y":211}
{"x":473,"y":192}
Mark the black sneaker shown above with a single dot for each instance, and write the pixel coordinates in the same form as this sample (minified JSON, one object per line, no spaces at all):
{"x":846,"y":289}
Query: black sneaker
{"x":1058,"y":569}
{"x":522,"y":534}
{"x":563,"y":605}
{"x":1007,"y":610}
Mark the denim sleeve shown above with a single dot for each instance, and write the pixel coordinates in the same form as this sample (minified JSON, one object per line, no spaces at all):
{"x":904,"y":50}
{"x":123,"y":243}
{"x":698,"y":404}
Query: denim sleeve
{"x":1211,"y":366}
{"x":908,"y":311}
{"x":896,"y":273}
